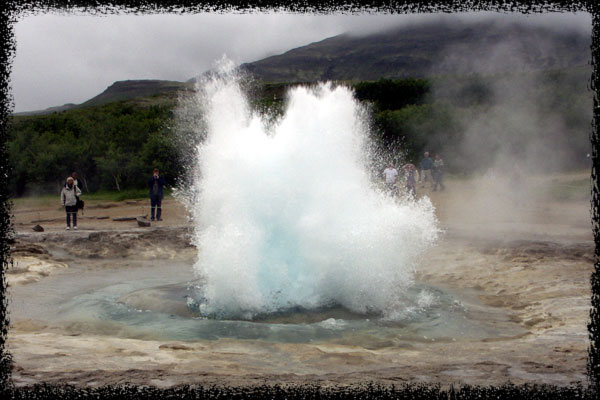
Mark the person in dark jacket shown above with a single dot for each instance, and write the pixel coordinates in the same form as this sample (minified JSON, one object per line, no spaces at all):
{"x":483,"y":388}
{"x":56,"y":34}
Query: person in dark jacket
{"x":438,"y":172}
{"x":77,"y":185}
{"x":156,"y":184}
{"x":68,"y":199}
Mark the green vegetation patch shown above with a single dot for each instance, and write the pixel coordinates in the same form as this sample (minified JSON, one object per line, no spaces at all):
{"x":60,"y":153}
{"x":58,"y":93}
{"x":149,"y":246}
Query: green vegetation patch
{"x":542,"y":116}
{"x":113,"y":146}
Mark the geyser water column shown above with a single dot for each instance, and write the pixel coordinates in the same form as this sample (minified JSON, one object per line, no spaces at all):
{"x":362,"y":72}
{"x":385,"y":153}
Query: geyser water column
{"x":286,"y":216}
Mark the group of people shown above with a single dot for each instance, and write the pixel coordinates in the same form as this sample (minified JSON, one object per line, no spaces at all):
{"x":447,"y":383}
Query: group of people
{"x":432,"y":171}
{"x":69,"y":198}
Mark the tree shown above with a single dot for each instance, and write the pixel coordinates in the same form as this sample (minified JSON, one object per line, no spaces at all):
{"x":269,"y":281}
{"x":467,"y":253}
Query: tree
{"x":112,"y":164}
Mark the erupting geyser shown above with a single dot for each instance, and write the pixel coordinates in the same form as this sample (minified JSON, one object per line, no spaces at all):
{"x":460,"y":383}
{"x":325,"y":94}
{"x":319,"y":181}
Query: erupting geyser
{"x":286,"y":214}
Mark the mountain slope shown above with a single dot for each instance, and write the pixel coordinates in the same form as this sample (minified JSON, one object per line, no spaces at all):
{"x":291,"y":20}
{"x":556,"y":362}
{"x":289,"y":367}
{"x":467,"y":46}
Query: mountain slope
{"x":156,"y":91}
{"x":457,"y":48}
{"x":428,"y":49}
{"x":131,"y":89}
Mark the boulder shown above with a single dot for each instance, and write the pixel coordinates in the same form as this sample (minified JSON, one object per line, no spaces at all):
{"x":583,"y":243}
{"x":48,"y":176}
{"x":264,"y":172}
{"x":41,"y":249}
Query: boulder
{"x":38,"y":228}
{"x":143,"y":223}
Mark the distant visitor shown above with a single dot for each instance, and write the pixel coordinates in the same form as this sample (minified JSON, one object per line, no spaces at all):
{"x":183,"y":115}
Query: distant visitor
{"x":80,"y":203}
{"x":75,"y":181}
{"x":438,"y":173}
{"x":68,"y":199}
{"x":410,"y":172}
{"x":426,"y":167}
{"x":156,"y":184}
{"x":390,"y":174}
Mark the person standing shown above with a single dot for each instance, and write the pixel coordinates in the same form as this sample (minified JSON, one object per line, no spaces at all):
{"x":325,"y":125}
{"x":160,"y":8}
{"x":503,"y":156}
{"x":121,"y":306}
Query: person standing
{"x":75,"y":181}
{"x":411,"y":183}
{"x":391,"y":174}
{"x":438,"y":172}
{"x":68,"y":199}
{"x":76,"y":184}
{"x":426,"y":166}
{"x":156,"y":184}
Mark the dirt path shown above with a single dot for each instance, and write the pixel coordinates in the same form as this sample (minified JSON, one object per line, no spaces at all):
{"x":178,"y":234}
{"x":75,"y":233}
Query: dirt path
{"x":98,"y":215}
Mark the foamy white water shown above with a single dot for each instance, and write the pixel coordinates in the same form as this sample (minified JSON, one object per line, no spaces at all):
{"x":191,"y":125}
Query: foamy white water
{"x":286,"y":216}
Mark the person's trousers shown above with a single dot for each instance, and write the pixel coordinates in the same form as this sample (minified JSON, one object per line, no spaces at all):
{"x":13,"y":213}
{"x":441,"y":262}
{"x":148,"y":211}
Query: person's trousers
{"x":392,"y":189}
{"x":426,"y":176}
{"x":438,"y":177}
{"x":71,"y":211}
{"x":411,"y":188}
{"x":155,"y":208}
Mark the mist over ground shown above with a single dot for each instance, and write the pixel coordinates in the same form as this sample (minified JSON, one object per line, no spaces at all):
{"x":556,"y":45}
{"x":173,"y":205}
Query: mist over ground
{"x":523,"y":136}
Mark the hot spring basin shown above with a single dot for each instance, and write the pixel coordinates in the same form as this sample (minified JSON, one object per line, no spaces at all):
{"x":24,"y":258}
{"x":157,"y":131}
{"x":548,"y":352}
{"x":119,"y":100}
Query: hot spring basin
{"x":158,"y":303}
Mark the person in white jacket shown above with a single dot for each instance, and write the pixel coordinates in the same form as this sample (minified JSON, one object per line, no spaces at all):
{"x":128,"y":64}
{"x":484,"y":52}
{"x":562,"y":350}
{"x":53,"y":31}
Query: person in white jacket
{"x":390,"y":174}
{"x":68,"y":199}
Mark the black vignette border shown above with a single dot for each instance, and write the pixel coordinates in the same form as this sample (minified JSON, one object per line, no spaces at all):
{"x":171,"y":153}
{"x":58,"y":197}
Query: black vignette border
{"x":10,"y":10}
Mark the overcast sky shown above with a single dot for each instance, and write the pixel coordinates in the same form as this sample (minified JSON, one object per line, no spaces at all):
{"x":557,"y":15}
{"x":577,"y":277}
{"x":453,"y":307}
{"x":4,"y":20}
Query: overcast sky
{"x":70,"y":58}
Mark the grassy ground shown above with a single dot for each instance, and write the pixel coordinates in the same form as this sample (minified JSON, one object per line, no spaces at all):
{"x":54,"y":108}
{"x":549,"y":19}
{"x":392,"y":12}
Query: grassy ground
{"x":568,"y":187}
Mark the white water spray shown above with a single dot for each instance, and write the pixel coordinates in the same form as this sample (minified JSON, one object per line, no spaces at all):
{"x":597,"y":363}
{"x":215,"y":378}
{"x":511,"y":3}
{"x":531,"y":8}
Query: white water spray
{"x":286,"y":216}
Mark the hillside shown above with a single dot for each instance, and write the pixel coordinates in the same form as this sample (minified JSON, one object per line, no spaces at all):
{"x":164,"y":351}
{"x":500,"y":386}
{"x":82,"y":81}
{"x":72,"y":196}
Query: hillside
{"x":131,"y":89}
{"x":426,"y":50}
{"x":146,"y":92}
{"x":49,"y":110}
{"x":423,"y":50}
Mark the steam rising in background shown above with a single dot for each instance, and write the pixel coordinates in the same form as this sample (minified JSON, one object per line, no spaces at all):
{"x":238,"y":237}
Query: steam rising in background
{"x":524,"y":126}
{"x":533,"y":92}
{"x":515,"y":129}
